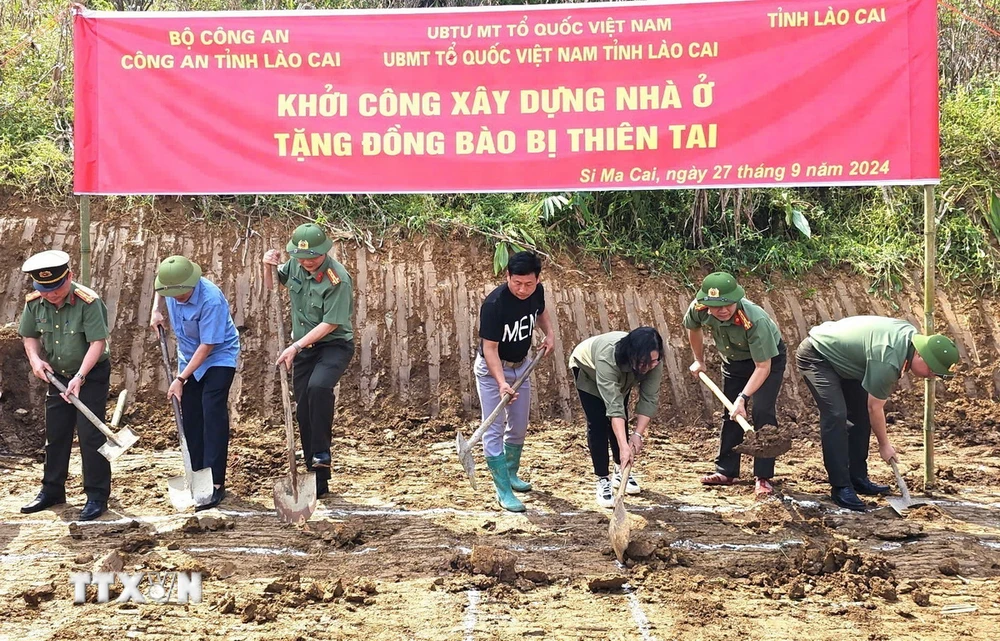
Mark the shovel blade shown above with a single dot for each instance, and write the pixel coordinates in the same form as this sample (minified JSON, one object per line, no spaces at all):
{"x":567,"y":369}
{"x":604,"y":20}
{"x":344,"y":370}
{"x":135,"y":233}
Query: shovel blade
{"x":126,"y":438}
{"x":180,"y":495}
{"x":465,"y":458}
{"x":295,"y":504}
{"x":619,"y":529}
{"x":898,"y":504}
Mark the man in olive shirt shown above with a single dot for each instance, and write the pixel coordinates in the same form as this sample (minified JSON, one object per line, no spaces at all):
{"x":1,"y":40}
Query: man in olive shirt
{"x":322,"y":298}
{"x":753,"y":363}
{"x":851,"y":367}
{"x":65,"y":330}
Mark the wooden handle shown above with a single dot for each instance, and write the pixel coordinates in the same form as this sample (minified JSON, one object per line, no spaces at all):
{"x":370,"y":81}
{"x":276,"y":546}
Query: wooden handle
{"x":283,"y":374}
{"x":625,"y":471}
{"x":505,"y":398}
{"x":98,"y":423}
{"x":747,"y":427}
{"x":905,"y":491}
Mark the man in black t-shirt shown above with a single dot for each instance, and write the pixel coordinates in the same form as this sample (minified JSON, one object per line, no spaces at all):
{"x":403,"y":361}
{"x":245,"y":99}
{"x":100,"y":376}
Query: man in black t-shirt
{"x":507,"y":320}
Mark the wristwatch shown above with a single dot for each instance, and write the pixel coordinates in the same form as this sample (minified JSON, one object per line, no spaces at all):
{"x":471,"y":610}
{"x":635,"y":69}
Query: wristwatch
{"x":745,"y":397}
{"x":83,"y":379}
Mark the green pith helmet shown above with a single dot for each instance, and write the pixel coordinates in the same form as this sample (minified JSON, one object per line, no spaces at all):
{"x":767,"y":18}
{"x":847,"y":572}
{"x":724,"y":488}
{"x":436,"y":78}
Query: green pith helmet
{"x":720,"y":289}
{"x":939,"y":352}
{"x":176,"y":276}
{"x":308,"y":241}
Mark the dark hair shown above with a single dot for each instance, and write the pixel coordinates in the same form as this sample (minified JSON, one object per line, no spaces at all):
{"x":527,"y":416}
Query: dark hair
{"x":524,"y":263}
{"x":633,"y":350}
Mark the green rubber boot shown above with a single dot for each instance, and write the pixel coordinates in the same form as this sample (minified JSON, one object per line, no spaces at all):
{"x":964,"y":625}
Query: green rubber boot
{"x":512,"y":453}
{"x":501,"y":479}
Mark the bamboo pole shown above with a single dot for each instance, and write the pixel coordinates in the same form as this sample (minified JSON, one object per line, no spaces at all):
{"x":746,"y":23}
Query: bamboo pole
{"x":85,"y":240}
{"x":929,"y":264}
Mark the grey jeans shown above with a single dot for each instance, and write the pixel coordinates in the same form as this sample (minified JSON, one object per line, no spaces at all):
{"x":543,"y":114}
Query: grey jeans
{"x":515,"y":415}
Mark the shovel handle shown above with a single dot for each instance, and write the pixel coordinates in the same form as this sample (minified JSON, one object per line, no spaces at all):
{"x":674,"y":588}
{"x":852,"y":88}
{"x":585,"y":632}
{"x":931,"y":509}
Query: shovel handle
{"x":175,"y":404}
{"x":98,"y":423}
{"x":478,"y":434}
{"x":283,"y":373}
{"x":747,"y":427}
{"x":900,"y":482}
{"x":625,"y":471}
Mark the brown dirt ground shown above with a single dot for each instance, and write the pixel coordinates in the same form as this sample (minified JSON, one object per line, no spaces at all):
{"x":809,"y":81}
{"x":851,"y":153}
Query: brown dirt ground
{"x":405,"y":549}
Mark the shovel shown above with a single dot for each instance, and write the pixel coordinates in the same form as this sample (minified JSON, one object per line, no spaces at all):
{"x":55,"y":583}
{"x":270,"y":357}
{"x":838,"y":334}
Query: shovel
{"x":117,"y":443}
{"x":904,"y":503}
{"x":195,"y":487}
{"x":465,"y":447}
{"x":619,"y":529}
{"x":294,"y":495}
{"x":768,"y":443}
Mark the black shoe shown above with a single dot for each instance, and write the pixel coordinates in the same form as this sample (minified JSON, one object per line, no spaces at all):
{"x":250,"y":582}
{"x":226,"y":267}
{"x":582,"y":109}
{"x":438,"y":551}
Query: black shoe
{"x":218,"y":494}
{"x":866,"y":487}
{"x":321,"y":459}
{"x":43,"y":501}
{"x":846,"y":497}
{"x":92,"y":510}
{"x":322,"y":488}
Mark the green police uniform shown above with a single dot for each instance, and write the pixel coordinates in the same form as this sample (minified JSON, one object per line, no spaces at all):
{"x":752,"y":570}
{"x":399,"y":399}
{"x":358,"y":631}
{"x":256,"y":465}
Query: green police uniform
{"x":65,"y":334}
{"x":845,"y":361}
{"x":748,"y":337}
{"x":327,"y":296}
{"x":323,"y":296}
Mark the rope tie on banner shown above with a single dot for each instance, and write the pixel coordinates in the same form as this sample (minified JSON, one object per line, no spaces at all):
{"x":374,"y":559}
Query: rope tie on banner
{"x":26,"y":41}
{"x":961,"y":13}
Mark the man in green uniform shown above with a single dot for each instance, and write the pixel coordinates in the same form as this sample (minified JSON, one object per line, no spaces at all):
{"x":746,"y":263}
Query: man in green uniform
{"x":65,"y":330}
{"x":753,"y":363}
{"x":851,"y":366}
{"x":322,"y":296}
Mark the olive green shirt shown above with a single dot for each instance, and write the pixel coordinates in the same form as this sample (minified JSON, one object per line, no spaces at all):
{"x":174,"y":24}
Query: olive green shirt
{"x":66,"y":332}
{"x":870,"y":349}
{"x":749,"y":335}
{"x":600,"y":376}
{"x":326,"y":296}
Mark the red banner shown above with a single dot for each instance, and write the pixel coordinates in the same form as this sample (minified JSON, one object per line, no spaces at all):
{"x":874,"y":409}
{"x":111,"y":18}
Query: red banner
{"x":547,"y":98}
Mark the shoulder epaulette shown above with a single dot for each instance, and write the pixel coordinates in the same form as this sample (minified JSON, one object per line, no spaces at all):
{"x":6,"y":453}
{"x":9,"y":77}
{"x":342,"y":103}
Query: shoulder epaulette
{"x":85,"y":294}
{"x":742,"y":320}
{"x":333,"y":276}
{"x":699,"y":307}
{"x":30,"y":296}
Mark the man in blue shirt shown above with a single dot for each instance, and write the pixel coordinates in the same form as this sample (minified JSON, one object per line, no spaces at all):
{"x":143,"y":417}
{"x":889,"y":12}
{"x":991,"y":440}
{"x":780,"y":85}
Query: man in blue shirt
{"x":207,"y":349}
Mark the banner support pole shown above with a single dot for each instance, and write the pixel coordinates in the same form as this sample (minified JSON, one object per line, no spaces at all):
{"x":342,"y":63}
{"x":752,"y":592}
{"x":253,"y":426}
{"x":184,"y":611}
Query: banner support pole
{"x":85,"y":240}
{"x":929,"y":264}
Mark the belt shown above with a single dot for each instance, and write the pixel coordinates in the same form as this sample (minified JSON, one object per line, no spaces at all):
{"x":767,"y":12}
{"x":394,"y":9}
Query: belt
{"x":512,"y":364}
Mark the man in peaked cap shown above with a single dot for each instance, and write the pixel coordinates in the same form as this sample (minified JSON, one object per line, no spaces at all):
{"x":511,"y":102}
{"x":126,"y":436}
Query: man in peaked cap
{"x":65,"y":330}
{"x":322,"y":296}
{"x":753,"y":363}
{"x":208,"y":347}
{"x":851,"y":366}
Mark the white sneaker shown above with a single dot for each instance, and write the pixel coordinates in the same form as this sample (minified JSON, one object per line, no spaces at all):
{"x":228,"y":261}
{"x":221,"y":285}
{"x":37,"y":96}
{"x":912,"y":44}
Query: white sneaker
{"x":605,"y":498}
{"x":631,"y":487}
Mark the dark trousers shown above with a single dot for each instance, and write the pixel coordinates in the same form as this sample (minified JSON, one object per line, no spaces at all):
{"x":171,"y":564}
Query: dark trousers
{"x":316,"y":372}
{"x":205,"y":412}
{"x":735,"y":375}
{"x":844,"y":426}
{"x":599,"y":432}
{"x":60,"y":418}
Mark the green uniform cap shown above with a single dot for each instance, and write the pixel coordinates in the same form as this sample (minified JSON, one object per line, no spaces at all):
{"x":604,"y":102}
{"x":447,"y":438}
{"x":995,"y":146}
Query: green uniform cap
{"x":308,"y":241}
{"x":720,"y":289}
{"x":177,"y":276}
{"x":939,"y":352}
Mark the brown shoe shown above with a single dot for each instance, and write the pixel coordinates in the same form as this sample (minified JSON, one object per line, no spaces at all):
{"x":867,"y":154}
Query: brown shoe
{"x":717,"y":479}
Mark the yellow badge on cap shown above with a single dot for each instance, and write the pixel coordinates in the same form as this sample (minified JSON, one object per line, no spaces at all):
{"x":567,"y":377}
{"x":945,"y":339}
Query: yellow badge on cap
{"x":44,"y":274}
{"x":713,"y":292}
{"x":303,"y":244}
